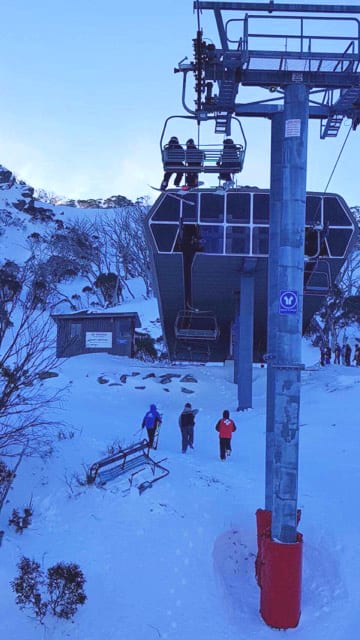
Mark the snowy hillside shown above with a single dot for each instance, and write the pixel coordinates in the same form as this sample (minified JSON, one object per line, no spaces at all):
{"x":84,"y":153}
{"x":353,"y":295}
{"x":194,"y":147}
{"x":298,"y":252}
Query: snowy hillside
{"x":177,"y":562}
{"x":64,"y":248}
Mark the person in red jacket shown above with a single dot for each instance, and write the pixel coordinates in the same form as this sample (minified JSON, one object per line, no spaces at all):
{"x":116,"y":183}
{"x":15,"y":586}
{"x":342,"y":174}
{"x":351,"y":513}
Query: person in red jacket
{"x":225,"y":427}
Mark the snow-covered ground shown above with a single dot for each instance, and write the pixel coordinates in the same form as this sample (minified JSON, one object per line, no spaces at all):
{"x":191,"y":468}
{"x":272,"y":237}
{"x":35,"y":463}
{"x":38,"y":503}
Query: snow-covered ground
{"x":177,"y":562}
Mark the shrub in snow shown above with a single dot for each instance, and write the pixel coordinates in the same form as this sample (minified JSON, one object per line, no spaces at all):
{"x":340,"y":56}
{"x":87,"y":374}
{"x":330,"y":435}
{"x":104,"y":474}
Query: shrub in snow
{"x":21,"y":521}
{"x":145,"y":348}
{"x":65,"y":583}
{"x":110,"y":287}
{"x":6,"y":477}
{"x":28,"y":587}
{"x":6,"y":474}
{"x":59,"y":592}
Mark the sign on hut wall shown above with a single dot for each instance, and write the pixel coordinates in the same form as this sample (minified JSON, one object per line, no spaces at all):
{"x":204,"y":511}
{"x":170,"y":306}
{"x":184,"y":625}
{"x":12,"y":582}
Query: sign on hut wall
{"x":98,"y":339}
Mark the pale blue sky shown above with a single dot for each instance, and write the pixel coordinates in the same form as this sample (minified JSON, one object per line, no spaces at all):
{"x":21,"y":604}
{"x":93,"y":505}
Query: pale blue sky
{"x":87,"y":84}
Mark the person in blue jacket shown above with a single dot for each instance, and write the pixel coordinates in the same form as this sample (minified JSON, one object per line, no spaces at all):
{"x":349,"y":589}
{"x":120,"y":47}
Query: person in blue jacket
{"x":152,"y":419}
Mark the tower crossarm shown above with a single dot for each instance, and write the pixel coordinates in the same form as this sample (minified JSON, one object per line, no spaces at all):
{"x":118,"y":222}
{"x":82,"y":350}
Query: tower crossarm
{"x":267,"y":50}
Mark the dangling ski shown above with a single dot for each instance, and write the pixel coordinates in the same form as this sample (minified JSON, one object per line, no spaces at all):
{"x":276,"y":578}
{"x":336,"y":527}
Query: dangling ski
{"x":156,"y":436}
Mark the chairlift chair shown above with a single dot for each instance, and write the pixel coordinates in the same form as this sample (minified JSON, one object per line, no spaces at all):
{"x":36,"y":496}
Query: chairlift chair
{"x":192,"y":324}
{"x":317,"y":278}
{"x":205,"y":158}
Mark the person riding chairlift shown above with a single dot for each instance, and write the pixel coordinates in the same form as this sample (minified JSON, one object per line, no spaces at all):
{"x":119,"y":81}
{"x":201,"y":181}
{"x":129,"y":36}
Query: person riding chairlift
{"x":194,"y":158}
{"x":229,"y":159}
{"x":173,"y":144}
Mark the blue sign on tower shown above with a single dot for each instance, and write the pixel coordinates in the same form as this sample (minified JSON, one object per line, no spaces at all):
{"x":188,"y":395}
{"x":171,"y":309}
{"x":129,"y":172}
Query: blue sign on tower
{"x":288,"y":302}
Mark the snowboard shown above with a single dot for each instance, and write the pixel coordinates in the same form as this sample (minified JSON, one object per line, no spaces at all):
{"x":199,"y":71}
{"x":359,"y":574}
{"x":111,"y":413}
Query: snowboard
{"x":182,"y":188}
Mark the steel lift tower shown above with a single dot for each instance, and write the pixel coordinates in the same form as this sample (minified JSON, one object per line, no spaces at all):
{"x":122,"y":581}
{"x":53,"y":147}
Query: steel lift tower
{"x":311,"y":67}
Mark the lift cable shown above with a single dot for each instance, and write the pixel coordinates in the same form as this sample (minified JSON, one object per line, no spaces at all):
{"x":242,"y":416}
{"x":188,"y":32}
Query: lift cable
{"x":337,"y":160}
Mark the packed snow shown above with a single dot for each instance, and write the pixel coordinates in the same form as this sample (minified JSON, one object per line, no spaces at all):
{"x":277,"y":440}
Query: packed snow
{"x":177,"y":561}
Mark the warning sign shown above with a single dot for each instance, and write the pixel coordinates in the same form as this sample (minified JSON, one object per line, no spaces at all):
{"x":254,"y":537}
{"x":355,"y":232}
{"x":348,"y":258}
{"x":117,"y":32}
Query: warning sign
{"x":98,"y":339}
{"x":292,"y":128}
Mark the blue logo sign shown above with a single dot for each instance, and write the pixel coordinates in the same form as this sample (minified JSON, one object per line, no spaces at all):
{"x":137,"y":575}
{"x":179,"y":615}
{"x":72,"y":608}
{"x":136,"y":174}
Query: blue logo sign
{"x":288,"y":302}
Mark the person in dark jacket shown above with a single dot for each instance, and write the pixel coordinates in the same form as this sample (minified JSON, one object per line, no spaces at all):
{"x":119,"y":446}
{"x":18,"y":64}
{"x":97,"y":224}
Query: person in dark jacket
{"x":172,"y":145}
{"x":347,"y":352}
{"x":187,"y":423}
{"x":225,"y":427}
{"x":337,"y":354}
{"x":322,"y":355}
{"x":327,"y":355}
{"x":194,"y":158}
{"x":151,"y":421}
{"x":229,"y":159}
{"x":356,"y":357}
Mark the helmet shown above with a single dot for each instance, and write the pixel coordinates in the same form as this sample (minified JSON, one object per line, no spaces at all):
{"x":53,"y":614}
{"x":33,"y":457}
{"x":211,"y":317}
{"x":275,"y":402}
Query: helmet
{"x":228,"y":141}
{"x":190,"y":142}
{"x":174,"y":139}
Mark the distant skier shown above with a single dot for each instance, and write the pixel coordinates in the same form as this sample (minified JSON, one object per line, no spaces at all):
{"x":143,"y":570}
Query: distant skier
{"x":225,"y":427}
{"x":327,"y":355}
{"x":347,"y":353}
{"x":356,"y":357}
{"x":187,"y":423}
{"x":337,"y":354}
{"x":322,"y":355}
{"x":152,"y":420}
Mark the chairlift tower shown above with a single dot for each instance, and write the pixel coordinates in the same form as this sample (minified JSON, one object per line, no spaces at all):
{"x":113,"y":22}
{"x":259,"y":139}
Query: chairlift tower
{"x":311,"y":69}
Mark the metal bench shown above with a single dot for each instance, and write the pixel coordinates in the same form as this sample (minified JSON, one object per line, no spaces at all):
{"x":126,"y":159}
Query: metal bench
{"x":133,"y":460}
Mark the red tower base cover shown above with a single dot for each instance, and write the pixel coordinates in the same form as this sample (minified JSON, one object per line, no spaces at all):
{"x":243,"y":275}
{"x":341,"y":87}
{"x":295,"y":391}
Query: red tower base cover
{"x":278,"y":572}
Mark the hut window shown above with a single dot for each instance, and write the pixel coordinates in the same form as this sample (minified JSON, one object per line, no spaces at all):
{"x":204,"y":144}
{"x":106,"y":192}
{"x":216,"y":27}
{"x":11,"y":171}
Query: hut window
{"x":75,"y":330}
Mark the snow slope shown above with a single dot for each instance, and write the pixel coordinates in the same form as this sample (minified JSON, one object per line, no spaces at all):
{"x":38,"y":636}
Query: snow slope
{"x":177,"y":562}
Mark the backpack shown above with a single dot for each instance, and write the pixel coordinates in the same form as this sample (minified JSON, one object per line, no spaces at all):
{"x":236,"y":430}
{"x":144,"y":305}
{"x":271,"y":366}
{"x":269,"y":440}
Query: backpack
{"x":187,"y":419}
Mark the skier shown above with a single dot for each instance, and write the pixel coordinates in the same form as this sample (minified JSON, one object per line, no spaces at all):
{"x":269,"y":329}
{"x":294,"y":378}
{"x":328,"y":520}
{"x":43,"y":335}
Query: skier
{"x":172,"y":145}
{"x":347,"y":355}
{"x":225,"y":426}
{"x":194,"y":157}
{"x":228,"y":158}
{"x":327,"y":355}
{"x":322,"y":355}
{"x":337,"y":353}
{"x":152,"y":421}
{"x":187,"y":423}
{"x":356,"y":357}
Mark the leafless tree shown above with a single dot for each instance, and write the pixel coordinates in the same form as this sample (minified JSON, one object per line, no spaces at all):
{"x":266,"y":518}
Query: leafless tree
{"x":27,"y":361}
{"x":123,"y":234}
{"x":350,"y":275}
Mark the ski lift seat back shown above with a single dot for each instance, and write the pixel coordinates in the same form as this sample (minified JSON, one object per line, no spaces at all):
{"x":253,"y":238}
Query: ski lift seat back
{"x":204,"y":159}
{"x":196,"y":325}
